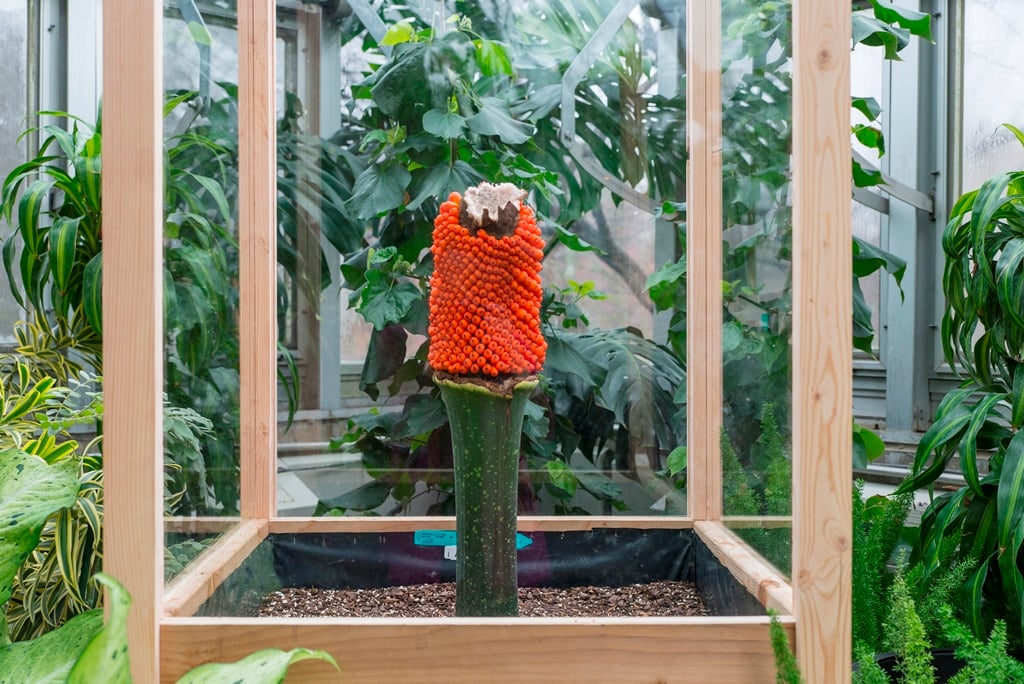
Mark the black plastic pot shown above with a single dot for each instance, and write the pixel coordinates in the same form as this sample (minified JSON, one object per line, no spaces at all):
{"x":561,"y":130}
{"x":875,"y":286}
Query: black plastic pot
{"x":944,"y":661}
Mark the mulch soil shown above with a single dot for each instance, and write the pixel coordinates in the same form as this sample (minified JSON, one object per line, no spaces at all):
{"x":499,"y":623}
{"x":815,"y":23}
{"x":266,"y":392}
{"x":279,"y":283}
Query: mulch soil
{"x":438,"y":600}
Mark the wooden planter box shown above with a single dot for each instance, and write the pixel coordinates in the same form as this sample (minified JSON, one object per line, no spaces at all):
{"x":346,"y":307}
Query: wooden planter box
{"x":223,"y":585}
{"x":165,"y":637}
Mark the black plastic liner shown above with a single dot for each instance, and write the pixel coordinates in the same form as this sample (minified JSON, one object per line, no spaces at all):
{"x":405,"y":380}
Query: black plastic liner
{"x":606,"y":557}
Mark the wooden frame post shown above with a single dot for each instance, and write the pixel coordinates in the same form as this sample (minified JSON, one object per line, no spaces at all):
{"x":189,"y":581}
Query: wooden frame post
{"x":704,"y":258}
{"x":257,"y":239}
{"x":822,"y":338}
{"x":132,"y":323}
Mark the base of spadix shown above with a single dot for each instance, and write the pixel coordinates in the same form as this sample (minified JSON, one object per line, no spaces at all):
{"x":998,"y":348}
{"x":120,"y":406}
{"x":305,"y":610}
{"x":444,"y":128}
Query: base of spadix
{"x":486,"y":428}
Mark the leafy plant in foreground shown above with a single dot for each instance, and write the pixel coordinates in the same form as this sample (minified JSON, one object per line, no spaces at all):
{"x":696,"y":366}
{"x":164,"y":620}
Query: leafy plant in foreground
{"x":983,"y":340}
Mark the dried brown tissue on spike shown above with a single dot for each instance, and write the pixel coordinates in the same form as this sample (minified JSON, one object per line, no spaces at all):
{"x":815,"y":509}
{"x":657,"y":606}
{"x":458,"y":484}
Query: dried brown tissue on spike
{"x":493,"y":208}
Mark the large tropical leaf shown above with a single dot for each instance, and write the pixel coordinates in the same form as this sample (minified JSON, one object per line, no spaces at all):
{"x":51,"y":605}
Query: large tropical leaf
{"x":49,"y":659}
{"x":30,"y":492}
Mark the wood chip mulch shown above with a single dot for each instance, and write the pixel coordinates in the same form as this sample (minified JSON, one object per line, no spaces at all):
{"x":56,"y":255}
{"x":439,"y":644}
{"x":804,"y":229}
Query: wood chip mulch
{"x":438,"y":600}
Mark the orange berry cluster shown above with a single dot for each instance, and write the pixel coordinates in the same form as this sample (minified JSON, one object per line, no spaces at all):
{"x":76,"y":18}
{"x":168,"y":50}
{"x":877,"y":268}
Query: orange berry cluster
{"x":485,"y":297}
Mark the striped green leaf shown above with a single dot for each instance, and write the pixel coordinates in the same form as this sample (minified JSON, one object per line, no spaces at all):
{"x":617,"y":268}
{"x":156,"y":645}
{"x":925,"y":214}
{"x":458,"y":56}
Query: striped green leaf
{"x":29,"y":211}
{"x":1010,"y":281}
{"x":216,"y":192}
{"x":92,"y":293}
{"x":974,"y":597}
{"x":63,"y":250}
{"x":1010,"y":498}
{"x":87,"y":171}
{"x":969,"y":444}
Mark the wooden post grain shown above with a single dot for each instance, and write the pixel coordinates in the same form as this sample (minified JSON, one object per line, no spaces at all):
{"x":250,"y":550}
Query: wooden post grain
{"x":822,"y":338}
{"x":132,"y":323}
{"x":704,"y":258}
{"x":257,"y":227}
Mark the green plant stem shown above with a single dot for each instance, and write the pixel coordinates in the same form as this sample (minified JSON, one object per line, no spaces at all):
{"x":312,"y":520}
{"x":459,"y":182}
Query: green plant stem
{"x":486,"y":430}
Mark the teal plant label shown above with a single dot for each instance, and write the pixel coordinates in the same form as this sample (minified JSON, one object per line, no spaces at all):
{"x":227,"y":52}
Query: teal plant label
{"x":449,"y":537}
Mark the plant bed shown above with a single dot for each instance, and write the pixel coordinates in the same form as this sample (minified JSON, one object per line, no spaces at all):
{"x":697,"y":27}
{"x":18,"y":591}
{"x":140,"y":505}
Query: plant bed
{"x":654,"y":599}
{"x":638,"y":568}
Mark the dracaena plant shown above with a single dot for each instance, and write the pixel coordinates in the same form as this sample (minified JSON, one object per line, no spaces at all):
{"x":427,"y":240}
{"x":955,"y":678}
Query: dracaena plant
{"x":983,"y":341}
{"x":53,"y":263}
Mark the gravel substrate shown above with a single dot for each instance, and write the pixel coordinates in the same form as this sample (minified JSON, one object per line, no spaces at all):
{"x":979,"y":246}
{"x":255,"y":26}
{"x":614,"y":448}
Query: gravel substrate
{"x":438,"y":600}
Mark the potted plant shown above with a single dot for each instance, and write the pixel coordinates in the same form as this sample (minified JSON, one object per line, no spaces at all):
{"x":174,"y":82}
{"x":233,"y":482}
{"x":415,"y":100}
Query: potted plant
{"x":983,"y":341}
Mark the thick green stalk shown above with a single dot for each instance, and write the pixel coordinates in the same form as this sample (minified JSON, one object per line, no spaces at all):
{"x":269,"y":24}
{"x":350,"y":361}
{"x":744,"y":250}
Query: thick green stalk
{"x":486,"y":429}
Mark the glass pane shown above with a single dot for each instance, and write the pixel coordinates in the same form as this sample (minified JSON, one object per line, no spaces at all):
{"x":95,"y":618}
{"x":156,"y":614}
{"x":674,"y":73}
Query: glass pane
{"x":201,"y":418}
{"x":373,"y":140}
{"x":757,"y":267}
{"x":991,"y":52}
{"x":866,"y":64}
{"x":13,"y":79}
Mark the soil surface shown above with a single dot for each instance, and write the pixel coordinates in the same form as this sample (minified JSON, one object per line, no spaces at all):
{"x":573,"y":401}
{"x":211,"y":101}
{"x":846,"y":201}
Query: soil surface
{"x":438,"y":600}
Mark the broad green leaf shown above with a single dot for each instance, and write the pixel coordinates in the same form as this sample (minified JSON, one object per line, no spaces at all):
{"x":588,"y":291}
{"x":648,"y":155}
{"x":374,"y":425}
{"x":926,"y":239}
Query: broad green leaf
{"x":664,"y":283}
{"x":494,"y":118}
{"x":677,"y":461}
{"x":268,"y":666}
{"x":401,"y":32}
{"x":398,"y":87}
{"x":444,"y":124}
{"x":379,"y":189}
{"x":868,"y":106}
{"x":421,"y":415}
{"x":492,"y":58}
{"x":30,"y":492}
{"x":870,"y":136}
{"x":385,"y":300}
{"x":865,"y":178}
{"x":599,"y":485}
{"x":872,"y":31}
{"x":561,"y":476}
{"x":50,"y":658}
{"x":439,"y":182}
{"x":868,"y":258}
{"x":105,"y":659}
{"x":918,"y":23}
{"x":384,"y":356}
{"x":574,"y":241}
{"x":563,"y":358}
{"x":363,"y":498}
{"x":867,"y":446}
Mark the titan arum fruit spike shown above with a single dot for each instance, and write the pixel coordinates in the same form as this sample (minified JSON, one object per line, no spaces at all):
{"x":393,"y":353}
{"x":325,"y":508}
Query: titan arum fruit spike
{"x":485,"y":349}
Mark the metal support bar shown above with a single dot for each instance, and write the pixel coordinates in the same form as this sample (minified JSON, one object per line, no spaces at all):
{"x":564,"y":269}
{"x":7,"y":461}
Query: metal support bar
{"x":897,"y":189}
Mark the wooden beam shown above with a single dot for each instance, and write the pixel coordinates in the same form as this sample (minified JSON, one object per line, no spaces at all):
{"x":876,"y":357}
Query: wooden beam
{"x":257,"y":230}
{"x":199,"y":524}
{"x":704,"y":258}
{"x":494,"y":650}
{"x":189,"y":590}
{"x":760,"y":578}
{"x":132,"y":322}
{"x":822,"y":338}
{"x":526,"y":524}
